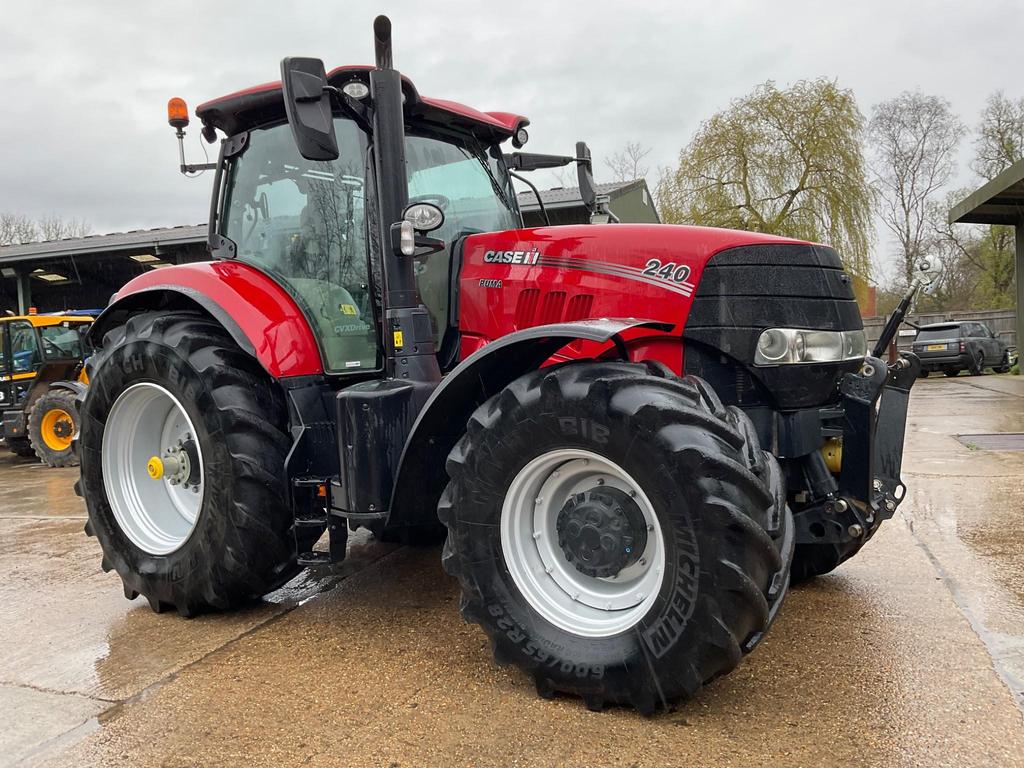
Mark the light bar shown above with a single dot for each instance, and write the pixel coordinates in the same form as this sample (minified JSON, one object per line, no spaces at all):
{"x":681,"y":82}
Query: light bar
{"x":787,"y":346}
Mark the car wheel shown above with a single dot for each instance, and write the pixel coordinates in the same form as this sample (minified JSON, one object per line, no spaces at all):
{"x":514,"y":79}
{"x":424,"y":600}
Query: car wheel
{"x":978,"y":366}
{"x":1004,"y":364}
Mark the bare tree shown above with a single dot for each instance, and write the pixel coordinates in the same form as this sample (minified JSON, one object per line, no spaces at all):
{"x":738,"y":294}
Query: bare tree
{"x":17,"y":228}
{"x":1000,"y":140}
{"x":55,"y":228}
{"x":785,"y":162}
{"x":914,"y":138}
{"x":627,"y":163}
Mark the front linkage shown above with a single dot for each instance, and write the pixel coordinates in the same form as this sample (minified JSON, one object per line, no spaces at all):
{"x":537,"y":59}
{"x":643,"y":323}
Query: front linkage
{"x":873,"y":412}
{"x":871,"y":418}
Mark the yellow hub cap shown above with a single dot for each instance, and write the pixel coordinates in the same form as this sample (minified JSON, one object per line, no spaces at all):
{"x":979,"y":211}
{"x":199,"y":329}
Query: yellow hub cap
{"x":155,"y":467}
{"x":58,"y":429}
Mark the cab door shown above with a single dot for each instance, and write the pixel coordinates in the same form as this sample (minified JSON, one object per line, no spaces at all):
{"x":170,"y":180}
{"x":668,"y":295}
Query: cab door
{"x":25,"y":359}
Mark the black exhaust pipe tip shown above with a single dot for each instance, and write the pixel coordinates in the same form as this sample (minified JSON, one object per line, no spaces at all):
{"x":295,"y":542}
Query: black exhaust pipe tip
{"x":382,"y":42}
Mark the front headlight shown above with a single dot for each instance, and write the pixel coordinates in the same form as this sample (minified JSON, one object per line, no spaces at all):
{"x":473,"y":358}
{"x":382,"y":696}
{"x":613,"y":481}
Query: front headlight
{"x":778,"y":346}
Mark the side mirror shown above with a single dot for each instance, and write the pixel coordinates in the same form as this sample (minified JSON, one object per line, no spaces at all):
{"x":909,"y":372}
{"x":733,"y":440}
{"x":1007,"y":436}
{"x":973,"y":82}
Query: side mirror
{"x":585,"y":176}
{"x":308,"y":107}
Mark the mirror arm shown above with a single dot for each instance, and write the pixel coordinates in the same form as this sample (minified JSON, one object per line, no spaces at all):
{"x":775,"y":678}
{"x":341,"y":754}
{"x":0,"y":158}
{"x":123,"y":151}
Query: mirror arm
{"x":358,"y":112}
{"x":428,"y":244}
{"x":536,"y":193}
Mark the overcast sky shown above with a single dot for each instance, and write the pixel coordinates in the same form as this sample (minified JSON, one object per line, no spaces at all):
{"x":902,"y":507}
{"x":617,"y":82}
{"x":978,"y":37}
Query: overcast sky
{"x":85,"y":84}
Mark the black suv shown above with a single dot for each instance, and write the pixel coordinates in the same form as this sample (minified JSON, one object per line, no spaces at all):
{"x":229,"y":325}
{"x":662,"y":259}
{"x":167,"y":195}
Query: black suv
{"x":954,"y":347}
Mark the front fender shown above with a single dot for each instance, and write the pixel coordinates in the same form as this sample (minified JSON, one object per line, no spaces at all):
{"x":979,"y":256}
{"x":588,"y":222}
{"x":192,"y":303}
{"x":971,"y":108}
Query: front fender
{"x":421,"y":476}
{"x":260,"y":315}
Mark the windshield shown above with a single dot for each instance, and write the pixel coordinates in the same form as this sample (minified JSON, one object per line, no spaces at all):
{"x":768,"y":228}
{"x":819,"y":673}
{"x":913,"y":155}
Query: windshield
{"x":939,"y":334}
{"x":303,"y":222}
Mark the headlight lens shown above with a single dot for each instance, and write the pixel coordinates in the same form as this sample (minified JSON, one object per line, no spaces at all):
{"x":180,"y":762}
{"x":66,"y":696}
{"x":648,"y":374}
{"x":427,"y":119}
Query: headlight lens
{"x":777,"y":346}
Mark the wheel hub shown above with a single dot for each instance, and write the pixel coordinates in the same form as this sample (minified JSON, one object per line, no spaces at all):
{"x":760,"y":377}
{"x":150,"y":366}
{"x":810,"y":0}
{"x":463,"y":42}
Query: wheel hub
{"x":63,"y":428}
{"x":152,"y":468}
{"x":601,"y":531}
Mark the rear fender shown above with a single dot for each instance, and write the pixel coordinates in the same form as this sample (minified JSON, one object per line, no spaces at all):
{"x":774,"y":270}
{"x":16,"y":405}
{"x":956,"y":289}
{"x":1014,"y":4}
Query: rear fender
{"x":421,"y":476}
{"x":259,"y":314}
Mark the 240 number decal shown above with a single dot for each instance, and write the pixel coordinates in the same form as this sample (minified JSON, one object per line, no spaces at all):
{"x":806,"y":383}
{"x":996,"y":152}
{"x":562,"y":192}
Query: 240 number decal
{"x":671,"y":271}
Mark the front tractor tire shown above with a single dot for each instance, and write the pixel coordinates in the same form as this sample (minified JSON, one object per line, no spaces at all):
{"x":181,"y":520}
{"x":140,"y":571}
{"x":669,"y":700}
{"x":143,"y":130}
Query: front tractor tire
{"x":52,"y":425}
{"x":616,"y":531}
{"x":183,"y":443}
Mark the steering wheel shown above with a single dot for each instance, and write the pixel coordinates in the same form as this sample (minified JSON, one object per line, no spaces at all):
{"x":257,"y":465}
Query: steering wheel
{"x":440,"y":201}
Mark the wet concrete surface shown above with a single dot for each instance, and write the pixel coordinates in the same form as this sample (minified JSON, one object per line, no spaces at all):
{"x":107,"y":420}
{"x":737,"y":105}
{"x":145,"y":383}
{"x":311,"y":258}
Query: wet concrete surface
{"x":911,"y":654}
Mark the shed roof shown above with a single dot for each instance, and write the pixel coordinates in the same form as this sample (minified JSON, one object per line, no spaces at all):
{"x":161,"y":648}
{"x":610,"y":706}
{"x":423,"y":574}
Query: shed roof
{"x":1000,"y":201}
{"x":115,"y":241}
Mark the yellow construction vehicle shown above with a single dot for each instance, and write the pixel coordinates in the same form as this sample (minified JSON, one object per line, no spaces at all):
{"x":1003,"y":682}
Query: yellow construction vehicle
{"x":42,"y":373}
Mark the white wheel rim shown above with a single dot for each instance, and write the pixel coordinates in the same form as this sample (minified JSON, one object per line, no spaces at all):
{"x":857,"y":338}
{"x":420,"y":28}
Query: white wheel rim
{"x":584,"y":605}
{"x":156,"y":515}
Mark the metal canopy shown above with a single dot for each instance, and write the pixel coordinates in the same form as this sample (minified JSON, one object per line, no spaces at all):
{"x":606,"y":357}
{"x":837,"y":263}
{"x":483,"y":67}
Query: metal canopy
{"x":1000,"y":201}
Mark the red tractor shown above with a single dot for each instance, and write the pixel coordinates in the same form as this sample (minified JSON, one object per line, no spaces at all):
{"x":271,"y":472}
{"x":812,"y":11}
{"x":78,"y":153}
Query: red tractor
{"x":631,"y":433}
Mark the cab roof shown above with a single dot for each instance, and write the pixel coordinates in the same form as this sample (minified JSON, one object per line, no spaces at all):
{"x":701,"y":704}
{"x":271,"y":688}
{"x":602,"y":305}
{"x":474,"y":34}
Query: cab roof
{"x":264,"y":103}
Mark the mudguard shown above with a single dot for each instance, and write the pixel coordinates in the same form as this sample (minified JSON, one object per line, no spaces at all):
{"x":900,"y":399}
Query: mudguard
{"x":261,"y":316}
{"x":421,"y":476}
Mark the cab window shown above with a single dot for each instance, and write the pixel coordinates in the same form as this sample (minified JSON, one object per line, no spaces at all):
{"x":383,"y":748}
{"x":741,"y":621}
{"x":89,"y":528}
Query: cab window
{"x":61,"y":341}
{"x":25,"y":355}
{"x":4,"y":357}
{"x":303,"y":222}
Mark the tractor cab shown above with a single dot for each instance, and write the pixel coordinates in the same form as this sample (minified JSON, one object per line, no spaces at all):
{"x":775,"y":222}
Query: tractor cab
{"x":310,"y":224}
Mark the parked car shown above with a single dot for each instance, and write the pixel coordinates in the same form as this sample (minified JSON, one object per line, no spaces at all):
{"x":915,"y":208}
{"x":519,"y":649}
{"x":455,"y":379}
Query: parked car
{"x":955,"y":347}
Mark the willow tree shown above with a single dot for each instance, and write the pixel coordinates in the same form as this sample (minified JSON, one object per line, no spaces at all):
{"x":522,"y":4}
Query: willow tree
{"x":785,"y":162}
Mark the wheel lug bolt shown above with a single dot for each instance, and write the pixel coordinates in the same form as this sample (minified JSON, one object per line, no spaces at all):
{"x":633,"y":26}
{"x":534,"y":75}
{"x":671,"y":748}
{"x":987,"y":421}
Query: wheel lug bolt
{"x":538,"y":500}
{"x":643,"y":561}
{"x":536,"y":534}
{"x":600,"y":481}
{"x":855,"y":530}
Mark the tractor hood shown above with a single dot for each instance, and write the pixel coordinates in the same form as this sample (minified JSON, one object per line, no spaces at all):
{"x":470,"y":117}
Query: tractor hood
{"x":719,"y":289}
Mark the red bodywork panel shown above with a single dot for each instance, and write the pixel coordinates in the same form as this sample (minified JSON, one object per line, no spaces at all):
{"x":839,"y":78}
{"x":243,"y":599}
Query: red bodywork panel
{"x":271,"y":320}
{"x":527,"y":277}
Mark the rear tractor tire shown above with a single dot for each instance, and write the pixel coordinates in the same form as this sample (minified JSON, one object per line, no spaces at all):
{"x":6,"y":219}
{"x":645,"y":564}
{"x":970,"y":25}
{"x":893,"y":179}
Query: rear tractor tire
{"x":52,"y":425}
{"x":617,"y":532}
{"x":183,"y":444}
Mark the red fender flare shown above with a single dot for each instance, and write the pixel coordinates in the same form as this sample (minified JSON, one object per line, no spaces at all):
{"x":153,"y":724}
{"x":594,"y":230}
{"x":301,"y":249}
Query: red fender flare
{"x":259,"y":314}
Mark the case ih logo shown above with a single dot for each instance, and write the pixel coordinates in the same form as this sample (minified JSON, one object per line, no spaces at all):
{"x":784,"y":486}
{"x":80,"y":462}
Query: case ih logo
{"x":672,"y":276}
{"x":512,"y":257}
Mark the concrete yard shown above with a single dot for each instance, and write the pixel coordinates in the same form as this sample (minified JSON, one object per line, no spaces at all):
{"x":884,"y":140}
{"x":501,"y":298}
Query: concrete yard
{"x":912,"y":654}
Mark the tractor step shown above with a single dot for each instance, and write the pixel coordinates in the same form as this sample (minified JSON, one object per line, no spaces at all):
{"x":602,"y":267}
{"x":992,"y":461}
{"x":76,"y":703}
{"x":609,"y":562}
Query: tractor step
{"x":310,"y":521}
{"x":307,"y":559}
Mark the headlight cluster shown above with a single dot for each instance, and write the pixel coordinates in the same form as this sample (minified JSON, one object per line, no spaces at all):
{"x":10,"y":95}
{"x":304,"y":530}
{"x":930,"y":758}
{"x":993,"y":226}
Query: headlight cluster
{"x":780,"y":346}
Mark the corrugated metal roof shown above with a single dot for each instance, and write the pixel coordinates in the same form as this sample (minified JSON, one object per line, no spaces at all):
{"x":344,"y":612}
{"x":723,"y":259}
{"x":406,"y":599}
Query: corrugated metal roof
{"x":116,"y":241}
{"x":562,"y":197}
